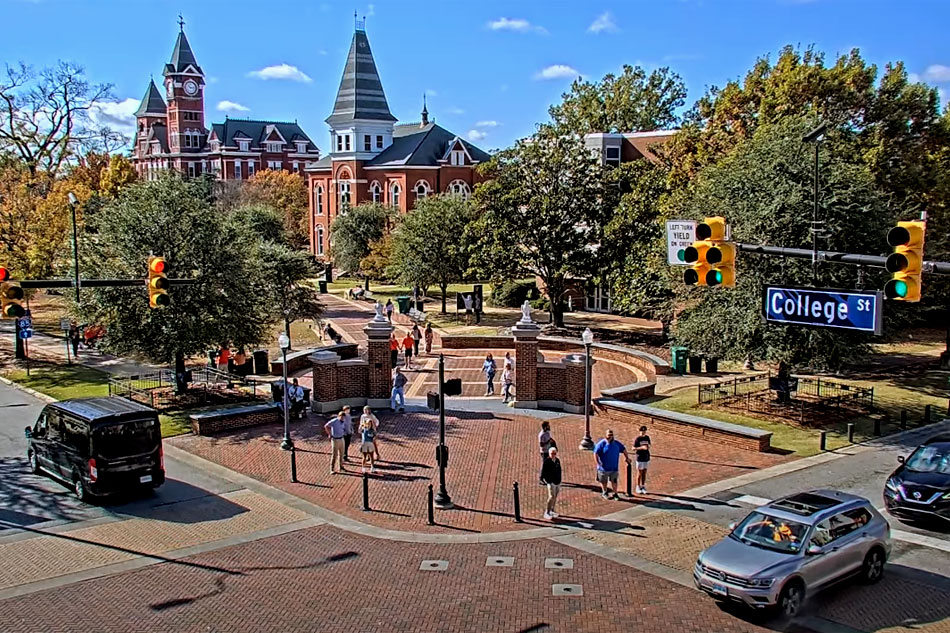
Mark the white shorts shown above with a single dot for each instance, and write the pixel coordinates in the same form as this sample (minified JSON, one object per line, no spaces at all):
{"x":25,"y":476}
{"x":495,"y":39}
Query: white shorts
{"x":642,"y":465}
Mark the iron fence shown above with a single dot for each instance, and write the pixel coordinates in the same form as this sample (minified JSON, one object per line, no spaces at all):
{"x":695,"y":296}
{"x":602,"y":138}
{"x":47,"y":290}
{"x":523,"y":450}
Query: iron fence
{"x":206,"y":384}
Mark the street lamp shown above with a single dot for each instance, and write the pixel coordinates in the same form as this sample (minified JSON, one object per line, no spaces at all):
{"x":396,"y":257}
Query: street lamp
{"x":587,"y":444}
{"x":284,"y":342}
{"x":73,"y":203}
{"x":816,"y":136}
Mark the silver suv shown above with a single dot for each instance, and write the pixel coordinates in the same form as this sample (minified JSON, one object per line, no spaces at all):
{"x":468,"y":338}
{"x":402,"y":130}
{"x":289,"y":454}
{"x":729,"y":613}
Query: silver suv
{"x":794,"y":546}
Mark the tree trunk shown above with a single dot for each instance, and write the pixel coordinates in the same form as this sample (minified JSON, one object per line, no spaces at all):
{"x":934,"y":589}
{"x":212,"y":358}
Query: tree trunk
{"x":557,"y":313}
{"x":287,"y":332}
{"x":181,"y":383}
{"x":366,"y":284}
{"x":444,"y":289}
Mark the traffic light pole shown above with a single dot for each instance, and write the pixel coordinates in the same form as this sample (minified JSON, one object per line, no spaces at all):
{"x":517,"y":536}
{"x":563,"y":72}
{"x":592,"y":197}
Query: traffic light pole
{"x":877,"y":261}
{"x":95,"y":283}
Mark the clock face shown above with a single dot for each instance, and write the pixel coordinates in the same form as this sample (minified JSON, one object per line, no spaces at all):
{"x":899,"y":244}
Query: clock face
{"x":191,"y":88}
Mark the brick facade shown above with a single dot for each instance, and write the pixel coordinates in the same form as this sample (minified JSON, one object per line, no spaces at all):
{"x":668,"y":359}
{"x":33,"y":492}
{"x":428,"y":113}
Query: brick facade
{"x":239,"y":418}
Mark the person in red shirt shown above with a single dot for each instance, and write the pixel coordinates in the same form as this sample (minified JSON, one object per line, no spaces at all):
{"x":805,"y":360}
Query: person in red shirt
{"x":223,"y":357}
{"x":393,"y":350}
{"x":407,"y":343}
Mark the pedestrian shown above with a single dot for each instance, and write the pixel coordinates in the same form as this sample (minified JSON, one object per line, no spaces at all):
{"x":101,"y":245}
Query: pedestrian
{"x":295,"y":395}
{"x":368,"y":443}
{"x":416,"y":338}
{"x":545,"y":442}
{"x":607,"y":454}
{"x":507,"y":380}
{"x":642,"y":447}
{"x":393,"y":350}
{"x":347,"y":432}
{"x":407,"y":343}
{"x":389,"y":310}
{"x":399,"y":384}
{"x":240,"y":362}
{"x":509,"y":361}
{"x":429,"y":336}
{"x":489,"y":368}
{"x":334,"y":429}
{"x":224,"y":355}
{"x":74,"y":337}
{"x":551,"y":476}
{"x":368,"y":415}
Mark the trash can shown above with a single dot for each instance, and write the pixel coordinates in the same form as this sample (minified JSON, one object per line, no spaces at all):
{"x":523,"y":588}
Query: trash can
{"x":678,"y":357}
{"x":323,"y":286}
{"x":695,"y":364}
{"x":261,"y":362}
{"x":403,"y":303}
{"x":249,"y":365}
{"x":712,"y":365}
{"x":420,"y":306}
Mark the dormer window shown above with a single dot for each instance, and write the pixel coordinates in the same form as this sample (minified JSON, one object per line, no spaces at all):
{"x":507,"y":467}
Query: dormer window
{"x":379,"y":141}
{"x":301,"y":147}
{"x":244,"y":146}
{"x":457,"y":157}
{"x":215,"y":146}
{"x":273,"y":148}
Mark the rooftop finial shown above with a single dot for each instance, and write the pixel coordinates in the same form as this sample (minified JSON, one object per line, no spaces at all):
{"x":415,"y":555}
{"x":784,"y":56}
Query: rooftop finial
{"x":359,"y":24}
{"x":181,"y":23}
{"x":425,"y":112}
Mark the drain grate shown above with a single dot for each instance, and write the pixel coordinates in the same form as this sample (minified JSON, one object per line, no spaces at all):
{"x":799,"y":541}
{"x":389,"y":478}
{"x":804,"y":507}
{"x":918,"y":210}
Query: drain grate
{"x":500,"y":561}
{"x":567,"y":590}
{"x":434,"y":565}
{"x":559,"y":563}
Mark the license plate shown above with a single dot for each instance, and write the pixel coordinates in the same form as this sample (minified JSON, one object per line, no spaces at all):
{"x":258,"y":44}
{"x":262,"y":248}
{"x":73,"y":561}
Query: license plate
{"x":720,"y":590}
{"x":145,"y":479}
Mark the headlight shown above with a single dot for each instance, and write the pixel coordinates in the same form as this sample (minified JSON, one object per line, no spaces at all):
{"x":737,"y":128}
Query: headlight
{"x":892,"y":484}
{"x":761,"y":582}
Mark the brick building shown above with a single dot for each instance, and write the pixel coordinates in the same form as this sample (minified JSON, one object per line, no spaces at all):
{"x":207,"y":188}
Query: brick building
{"x":174,"y":136}
{"x":373,"y":159}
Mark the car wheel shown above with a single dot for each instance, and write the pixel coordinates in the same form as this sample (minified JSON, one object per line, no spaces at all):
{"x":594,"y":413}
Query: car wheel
{"x":34,"y":463}
{"x":790,"y":599}
{"x":873,"y":568}
{"x":79,"y":488}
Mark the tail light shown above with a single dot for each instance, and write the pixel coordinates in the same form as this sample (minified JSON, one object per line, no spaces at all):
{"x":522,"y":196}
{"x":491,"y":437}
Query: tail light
{"x":93,"y":472}
{"x":161,"y":457}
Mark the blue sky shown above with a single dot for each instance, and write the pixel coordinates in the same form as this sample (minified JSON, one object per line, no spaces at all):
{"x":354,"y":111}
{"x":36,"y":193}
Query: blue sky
{"x":490,"y":68}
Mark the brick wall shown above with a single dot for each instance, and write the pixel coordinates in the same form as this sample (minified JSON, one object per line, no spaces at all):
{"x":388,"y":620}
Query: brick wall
{"x":263,"y":414}
{"x":526,"y":360}
{"x":574,"y":384}
{"x":352,"y":379}
{"x":632,"y":392}
{"x":379,"y":380}
{"x":477,"y":342}
{"x":324,"y":382}
{"x":296,"y":361}
{"x":551,"y":381}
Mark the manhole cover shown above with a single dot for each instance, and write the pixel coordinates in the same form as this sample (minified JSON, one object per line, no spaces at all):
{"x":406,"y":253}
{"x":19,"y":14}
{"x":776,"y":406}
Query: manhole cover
{"x":434,"y":565}
{"x":567,"y":590}
{"x":559,"y":563}
{"x":500,"y":561}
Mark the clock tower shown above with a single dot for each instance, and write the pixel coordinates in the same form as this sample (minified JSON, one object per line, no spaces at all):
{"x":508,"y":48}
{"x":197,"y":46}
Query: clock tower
{"x":184,"y":90}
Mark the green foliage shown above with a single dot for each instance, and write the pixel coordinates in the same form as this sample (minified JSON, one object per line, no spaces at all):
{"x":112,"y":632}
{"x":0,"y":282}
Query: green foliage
{"x":174,"y":217}
{"x":632,"y":102}
{"x":353,"y":234}
{"x":261,"y":220}
{"x":283,"y":270}
{"x":430,"y":246}
{"x":512,"y":293}
{"x":541,"y":210}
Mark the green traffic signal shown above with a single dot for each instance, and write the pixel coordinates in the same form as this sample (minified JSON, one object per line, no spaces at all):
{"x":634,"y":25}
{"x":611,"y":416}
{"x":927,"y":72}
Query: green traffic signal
{"x":895,"y":289}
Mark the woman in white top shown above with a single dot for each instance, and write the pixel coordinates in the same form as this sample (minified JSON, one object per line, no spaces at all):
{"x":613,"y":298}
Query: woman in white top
{"x":372,"y":419}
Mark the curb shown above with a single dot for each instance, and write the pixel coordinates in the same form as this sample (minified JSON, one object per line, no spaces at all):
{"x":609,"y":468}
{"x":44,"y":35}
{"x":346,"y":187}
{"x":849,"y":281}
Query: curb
{"x":33,"y":392}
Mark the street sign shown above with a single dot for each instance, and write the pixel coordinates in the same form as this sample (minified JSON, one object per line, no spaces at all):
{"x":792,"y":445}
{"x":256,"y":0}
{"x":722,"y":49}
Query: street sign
{"x":855,"y":310}
{"x":26,"y":333}
{"x":64,"y":325}
{"x":25,"y":323}
{"x":679,"y":235}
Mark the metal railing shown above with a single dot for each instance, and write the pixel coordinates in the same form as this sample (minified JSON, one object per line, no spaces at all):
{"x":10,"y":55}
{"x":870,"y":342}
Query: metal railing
{"x":158,"y":388}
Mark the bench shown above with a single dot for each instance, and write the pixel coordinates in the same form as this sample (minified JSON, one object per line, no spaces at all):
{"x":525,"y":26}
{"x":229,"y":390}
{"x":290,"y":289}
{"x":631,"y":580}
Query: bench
{"x":208,"y":422}
{"x":684,"y":424}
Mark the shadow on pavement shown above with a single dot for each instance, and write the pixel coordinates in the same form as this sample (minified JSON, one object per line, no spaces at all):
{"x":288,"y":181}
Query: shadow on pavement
{"x":28,"y":499}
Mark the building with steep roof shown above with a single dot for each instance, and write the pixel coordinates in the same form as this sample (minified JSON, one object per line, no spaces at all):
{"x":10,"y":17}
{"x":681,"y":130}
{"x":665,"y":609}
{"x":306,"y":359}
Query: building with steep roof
{"x":371,"y":158}
{"x":174,"y":136}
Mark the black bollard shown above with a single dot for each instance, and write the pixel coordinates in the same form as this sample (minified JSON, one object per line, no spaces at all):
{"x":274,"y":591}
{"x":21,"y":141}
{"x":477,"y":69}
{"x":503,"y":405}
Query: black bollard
{"x":517,"y":503}
{"x":877,"y":427}
{"x":927,"y":414}
{"x":850,"y":433}
{"x":821,"y":441}
{"x":903,"y":418}
{"x":629,"y":480}
{"x":293,"y":464}
{"x":429,"y":503}
{"x":365,"y":492}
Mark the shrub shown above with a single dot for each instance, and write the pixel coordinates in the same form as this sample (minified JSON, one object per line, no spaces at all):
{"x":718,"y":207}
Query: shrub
{"x":512,"y":294}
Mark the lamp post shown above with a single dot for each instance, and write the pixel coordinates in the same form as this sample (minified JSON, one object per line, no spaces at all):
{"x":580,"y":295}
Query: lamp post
{"x":587,"y":444}
{"x":442,"y":499}
{"x":73,"y":203}
{"x":284,"y":342}
{"x":815,"y":136}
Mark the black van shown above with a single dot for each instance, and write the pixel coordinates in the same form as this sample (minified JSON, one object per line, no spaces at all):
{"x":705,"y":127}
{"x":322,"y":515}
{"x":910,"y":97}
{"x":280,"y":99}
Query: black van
{"x":98,"y":445}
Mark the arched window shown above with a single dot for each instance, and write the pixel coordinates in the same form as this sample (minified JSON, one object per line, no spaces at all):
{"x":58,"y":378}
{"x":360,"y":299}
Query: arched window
{"x":459,"y":188}
{"x":318,"y":199}
{"x":421,"y":189}
{"x":376,"y":192}
{"x":319,"y":239}
{"x":343,"y":191}
{"x":394,"y":195}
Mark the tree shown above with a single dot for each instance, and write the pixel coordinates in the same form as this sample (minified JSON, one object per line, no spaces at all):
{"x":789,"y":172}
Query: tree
{"x":287,"y":194}
{"x":377,"y":261}
{"x":118,"y":174}
{"x":174,"y":217}
{"x":46,"y":117}
{"x":353,"y":234}
{"x":263,"y":221}
{"x":430,"y":245}
{"x":283,"y":270}
{"x":542,"y":211}
{"x":632,"y":102}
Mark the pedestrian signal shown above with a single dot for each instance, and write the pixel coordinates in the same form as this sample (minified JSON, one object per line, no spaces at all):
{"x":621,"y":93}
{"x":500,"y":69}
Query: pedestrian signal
{"x":158,"y":282}
{"x":906,"y":261}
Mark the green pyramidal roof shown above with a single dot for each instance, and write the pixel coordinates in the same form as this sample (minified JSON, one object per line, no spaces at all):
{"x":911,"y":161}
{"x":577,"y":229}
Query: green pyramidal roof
{"x":152,"y":102}
{"x":182,"y":56}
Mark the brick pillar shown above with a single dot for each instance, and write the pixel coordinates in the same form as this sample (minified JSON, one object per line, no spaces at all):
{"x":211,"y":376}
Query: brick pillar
{"x":526,"y":360}
{"x":380,"y":380}
{"x":574,"y":382}
{"x":325,"y":394}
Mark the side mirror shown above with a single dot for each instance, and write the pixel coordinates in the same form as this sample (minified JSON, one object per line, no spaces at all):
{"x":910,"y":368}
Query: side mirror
{"x":28,"y":432}
{"x":900,"y":458}
{"x":812,"y":550}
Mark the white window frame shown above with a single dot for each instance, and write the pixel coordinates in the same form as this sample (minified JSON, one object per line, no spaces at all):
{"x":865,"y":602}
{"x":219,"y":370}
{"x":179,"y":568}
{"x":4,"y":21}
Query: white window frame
{"x":367,"y":143}
{"x":301,"y":147}
{"x":244,"y":146}
{"x":424,"y":186}
{"x":459,"y":187}
{"x":273,"y":148}
{"x":319,"y":239}
{"x":344,"y":195}
{"x":318,"y":199}
{"x":376,"y":192}
{"x":192,"y":170}
{"x":458,"y":157}
{"x":379,"y":141}
{"x":346,"y":143}
{"x":339,"y":142}
{"x":394,"y":192}
{"x":295,"y":166}
{"x":237,"y":170}
{"x":250,"y":168}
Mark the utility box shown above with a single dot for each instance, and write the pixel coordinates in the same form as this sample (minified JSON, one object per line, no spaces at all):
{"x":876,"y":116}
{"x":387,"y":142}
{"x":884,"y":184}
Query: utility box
{"x":678,"y":357}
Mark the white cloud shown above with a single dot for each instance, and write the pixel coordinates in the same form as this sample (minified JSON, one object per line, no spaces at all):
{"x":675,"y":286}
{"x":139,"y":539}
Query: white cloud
{"x":603,"y":23}
{"x":212,"y":79}
{"x":476,"y":135}
{"x":231,"y":106}
{"x":322,"y":51}
{"x":557,"y":71}
{"x":455,"y":111}
{"x":118,"y":115}
{"x":487,"y":124}
{"x":280,"y":71}
{"x":431,"y":93}
{"x":371,"y":11}
{"x":515,"y":24}
{"x":937,"y":73}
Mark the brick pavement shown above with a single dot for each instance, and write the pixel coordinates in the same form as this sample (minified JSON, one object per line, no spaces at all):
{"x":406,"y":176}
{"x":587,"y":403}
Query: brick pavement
{"x":322,"y":579}
{"x":488,"y":452}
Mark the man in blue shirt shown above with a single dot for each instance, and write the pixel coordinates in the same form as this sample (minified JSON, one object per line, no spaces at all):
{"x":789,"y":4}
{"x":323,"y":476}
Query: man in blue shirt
{"x":607,"y":453}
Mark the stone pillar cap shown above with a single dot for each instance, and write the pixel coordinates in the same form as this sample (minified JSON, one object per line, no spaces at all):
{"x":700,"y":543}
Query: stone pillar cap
{"x":324,"y":357}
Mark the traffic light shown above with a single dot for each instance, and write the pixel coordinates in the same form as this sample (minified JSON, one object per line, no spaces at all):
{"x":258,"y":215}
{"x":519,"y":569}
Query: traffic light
{"x":11,"y":296}
{"x":713,"y":259}
{"x":157,"y":282}
{"x":906,"y":260}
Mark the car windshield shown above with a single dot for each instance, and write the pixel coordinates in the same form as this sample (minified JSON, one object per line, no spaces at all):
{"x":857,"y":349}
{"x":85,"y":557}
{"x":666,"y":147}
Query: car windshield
{"x":930,"y":459}
{"x":769,"y":532}
{"x":126,"y":439}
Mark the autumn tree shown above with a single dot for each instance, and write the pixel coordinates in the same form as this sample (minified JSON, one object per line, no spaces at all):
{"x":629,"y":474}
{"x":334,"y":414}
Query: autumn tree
{"x":287,"y":194}
{"x":116,"y":175}
{"x":353,"y":235}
